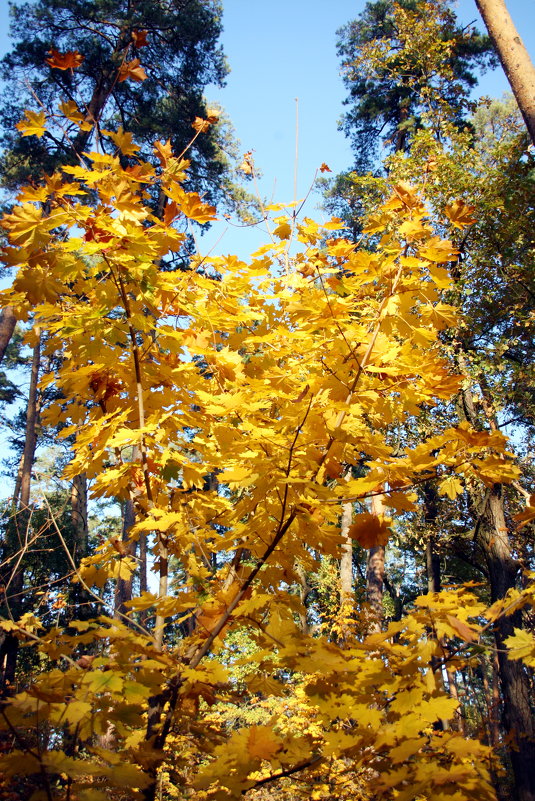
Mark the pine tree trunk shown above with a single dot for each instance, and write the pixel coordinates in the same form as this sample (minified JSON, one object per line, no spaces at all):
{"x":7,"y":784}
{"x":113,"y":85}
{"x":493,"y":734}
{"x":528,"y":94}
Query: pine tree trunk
{"x":79,"y":516}
{"x":514,"y":57}
{"x":375,"y":575}
{"x":493,"y":540}
{"x":22,"y":487}
{"x":518,"y":718}
{"x":8,"y":322}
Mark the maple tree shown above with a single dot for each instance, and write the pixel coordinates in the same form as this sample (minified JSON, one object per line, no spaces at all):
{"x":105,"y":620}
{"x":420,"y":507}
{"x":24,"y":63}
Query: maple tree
{"x":226,"y":402}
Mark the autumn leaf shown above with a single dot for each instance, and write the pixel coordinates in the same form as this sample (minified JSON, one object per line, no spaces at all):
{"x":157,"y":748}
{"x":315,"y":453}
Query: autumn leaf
{"x":247,"y":165}
{"x":140,"y":38}
{"x":325,"y":168}
{"x":451,"y":487}
{"x":200,"y":125}
{"x":124,"y":141}
{"x":33,"y":124}
{"x":262,"y":743}
{"x":465,"y":632}
{"x":71,"y":111}
{"x":521,"y":645}
{"x":369,"y":530}
{"x":460,"y":214}
{"x":64,"y":61}
{"x":283,"y":229}
{"x":131,"y":69}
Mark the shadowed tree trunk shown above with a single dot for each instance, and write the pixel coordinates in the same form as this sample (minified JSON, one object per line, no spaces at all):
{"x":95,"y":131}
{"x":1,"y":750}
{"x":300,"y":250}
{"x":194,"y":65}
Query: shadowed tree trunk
{"x":20,"y":526}
{"x":123,"y":592}
{"x":493,"y":540}
{"x":79,"y":516}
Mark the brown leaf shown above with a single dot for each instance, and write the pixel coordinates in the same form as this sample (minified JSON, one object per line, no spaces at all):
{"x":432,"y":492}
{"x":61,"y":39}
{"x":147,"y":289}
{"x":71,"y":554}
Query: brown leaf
{"x":131,"y":69}
{"x":140,"y":38}
{"x":464,"y":631}
{"x":64,"y":61}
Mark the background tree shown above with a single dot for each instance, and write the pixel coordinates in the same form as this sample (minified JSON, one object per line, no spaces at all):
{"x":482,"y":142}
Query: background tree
{"x":169,"y":50}
{"x":482,"y":158}
{"x":400,"y":60}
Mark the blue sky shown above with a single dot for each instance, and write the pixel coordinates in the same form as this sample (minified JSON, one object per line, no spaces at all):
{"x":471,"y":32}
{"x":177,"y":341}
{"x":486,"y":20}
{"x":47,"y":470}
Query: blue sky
{"x":286,"y":49}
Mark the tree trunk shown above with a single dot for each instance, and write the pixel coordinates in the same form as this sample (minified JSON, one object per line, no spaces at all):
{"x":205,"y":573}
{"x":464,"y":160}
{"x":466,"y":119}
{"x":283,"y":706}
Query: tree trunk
{"x":432,"y":558}
{"x":346,"y":561}
{"x":493,"y":540}
{"x":304,"y":592}
{"x":123,"y":591}
{"x":375,"y":575}
{"x":19,"y":535}
{"x":22,"y":487}
{"x":79,"y":516}
{"x":8,"y":322}
{"x":517,"y":710}
{"x":514,"y":57}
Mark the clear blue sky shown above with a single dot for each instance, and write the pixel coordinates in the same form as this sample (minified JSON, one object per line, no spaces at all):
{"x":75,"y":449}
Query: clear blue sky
{"x":286,"y":49}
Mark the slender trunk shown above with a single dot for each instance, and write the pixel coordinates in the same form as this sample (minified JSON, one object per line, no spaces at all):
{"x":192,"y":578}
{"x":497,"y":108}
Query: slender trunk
{"x":304,"y":592}
{"x":123,"y":591}
{"x":514,"y":57}
{"x":375,"y":575}
{"x":22,"y":487}
{"x":346,"y":560}
{"x":8,"y":322}
{"x":19,"y":534}
{"x":432,"y":558}
{"x":346,"y":572}
{"x":79,"y":516}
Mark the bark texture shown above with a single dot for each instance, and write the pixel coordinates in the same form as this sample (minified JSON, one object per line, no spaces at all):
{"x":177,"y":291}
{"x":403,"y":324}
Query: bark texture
{"x":7,"y":326}
{"x":375,"y":574}
{"x":513,"y":55}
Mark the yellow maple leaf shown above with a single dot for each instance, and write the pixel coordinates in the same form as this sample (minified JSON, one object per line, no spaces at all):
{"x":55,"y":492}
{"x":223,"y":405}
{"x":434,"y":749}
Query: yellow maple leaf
{"x":262,"y":743}
{"x":124,"y":141}
{"x":451,"y":487}
{"x":370,"y":530}
{"x":521,"y":645}
{"x":33,"y":124}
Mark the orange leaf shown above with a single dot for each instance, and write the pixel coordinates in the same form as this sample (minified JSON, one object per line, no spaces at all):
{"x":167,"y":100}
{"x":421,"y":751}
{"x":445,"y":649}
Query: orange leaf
{"x":369,"y":530}
{"x":325,"y":168}
{"x":262,"y":743}
{"x":131,"y":69}
{"x":460,"y":214}
{"x":64,"y":61}
{"x":464,"y":631}
{"x":164,"y":151}
{"x":200,"y":125}
{"x":171,"y":211}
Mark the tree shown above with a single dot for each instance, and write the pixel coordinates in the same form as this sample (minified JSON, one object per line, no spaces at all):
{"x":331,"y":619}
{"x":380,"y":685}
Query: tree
{"x":400,"y":60}
{"x":169,"y":52}
{"x":275,"y":382}
{"x":514,"y":57}
{"x":487,"y":165}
